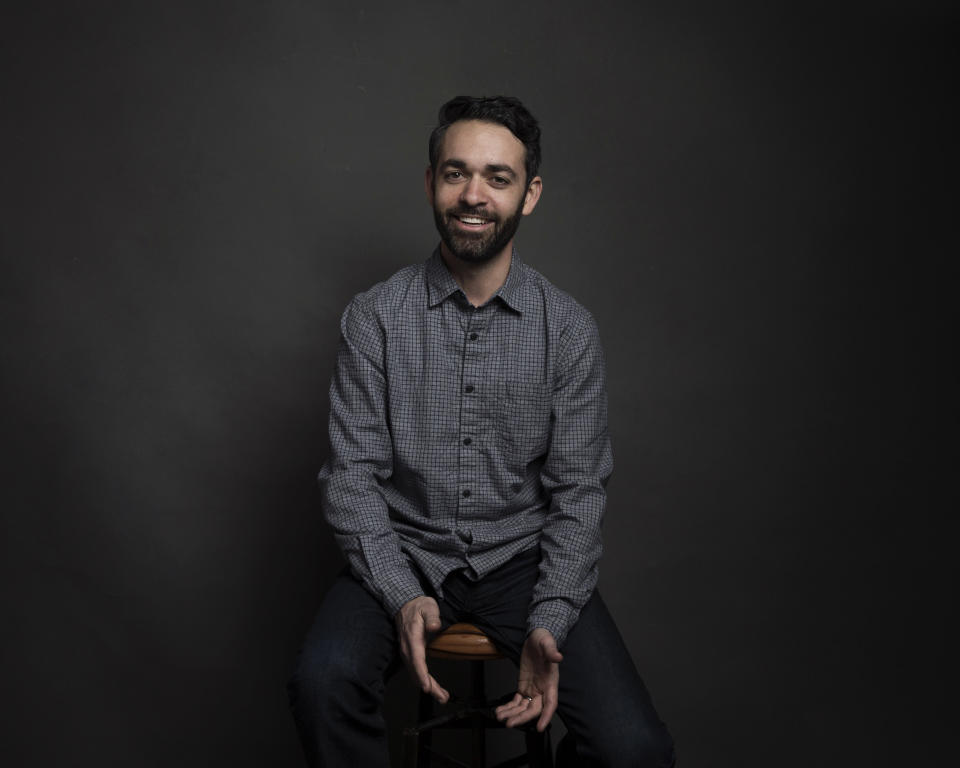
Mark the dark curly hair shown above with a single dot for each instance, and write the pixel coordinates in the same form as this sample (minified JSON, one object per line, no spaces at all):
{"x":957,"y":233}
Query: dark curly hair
{"x":503,"y":110}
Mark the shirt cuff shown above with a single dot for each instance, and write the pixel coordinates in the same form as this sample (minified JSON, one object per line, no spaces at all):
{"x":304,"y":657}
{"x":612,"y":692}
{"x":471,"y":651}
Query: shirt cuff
{"x":400,"y":591}
{"x":556,"y":616}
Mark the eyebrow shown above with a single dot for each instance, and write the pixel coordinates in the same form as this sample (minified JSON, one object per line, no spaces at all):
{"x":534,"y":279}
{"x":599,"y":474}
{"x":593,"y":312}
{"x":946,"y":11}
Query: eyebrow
{"x":489,"y":168}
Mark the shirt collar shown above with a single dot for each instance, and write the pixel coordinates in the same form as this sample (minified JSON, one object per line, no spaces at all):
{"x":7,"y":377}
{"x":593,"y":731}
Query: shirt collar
{"x":441,"y":284}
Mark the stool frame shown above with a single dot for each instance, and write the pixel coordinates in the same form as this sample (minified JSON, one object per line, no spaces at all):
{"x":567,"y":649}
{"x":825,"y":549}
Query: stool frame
{"x":475,"y":712}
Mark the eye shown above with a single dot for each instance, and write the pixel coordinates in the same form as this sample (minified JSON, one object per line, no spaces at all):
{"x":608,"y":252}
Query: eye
{"x":501,"y":181}
{"x":453,"y":175}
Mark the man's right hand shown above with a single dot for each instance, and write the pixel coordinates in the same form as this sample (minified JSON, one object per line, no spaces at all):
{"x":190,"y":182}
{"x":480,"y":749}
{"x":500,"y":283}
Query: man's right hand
{"x":415,"y":619}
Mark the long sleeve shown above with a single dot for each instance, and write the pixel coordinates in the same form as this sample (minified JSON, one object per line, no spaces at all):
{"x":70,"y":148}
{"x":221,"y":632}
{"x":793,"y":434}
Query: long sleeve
{"x":575,"y":473}
{"x":361,"y":459}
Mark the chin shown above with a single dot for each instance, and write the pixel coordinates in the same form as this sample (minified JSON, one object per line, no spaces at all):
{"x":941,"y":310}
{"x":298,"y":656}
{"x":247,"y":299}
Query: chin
{"x":473,"y":256}
{"x":470,"y":250}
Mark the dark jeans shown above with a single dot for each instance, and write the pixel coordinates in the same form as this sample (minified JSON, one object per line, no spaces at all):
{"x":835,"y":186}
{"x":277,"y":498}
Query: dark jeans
{"x":351,"y":650}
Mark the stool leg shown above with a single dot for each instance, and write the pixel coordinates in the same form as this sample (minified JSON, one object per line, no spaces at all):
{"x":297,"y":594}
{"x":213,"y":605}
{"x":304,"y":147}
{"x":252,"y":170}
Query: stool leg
{"x":425,"y":740}
{"x":479,"y":692}
{"x":538,"y":749}
{"x":411,"y":748}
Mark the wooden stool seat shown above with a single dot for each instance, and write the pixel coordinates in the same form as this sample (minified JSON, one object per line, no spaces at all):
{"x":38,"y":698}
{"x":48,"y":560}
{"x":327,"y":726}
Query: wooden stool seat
{"x":463,"y":641}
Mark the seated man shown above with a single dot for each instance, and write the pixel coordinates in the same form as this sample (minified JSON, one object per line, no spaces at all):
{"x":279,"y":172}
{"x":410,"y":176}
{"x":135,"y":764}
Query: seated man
{"x":469,"y":456}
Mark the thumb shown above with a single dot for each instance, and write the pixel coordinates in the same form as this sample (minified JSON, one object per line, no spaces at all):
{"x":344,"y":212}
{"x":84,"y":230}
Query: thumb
{"x":548,"y":646}
{"x":431,"y":620}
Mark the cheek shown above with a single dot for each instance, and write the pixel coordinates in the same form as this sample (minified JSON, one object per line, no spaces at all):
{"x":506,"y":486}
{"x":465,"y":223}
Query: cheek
{"x":444,"y":199}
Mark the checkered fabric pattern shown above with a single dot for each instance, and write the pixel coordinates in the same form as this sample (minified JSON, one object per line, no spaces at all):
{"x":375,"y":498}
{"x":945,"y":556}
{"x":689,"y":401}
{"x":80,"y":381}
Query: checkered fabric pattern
{"x":462,"y":436}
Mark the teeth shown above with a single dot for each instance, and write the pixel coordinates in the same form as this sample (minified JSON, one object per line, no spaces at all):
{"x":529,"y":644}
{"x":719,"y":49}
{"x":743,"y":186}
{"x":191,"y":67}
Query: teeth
{"x":471,"y":220}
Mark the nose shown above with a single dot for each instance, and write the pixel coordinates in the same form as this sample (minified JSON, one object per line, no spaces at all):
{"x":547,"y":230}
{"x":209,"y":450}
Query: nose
{"x":472,"y":193}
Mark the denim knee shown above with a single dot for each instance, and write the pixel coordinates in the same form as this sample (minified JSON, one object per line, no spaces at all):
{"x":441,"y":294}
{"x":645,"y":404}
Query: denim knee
{"x":334,"y":679}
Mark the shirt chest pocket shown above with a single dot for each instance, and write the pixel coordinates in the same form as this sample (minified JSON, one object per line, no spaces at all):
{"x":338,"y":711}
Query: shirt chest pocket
{"x":523,"y":420}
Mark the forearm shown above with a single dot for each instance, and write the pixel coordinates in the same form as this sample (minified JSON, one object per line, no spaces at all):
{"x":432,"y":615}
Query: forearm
{"x":570,"y":546}
{"x":361,"y":527}
{"x":361,"y":460}
{"x":574,"y":474}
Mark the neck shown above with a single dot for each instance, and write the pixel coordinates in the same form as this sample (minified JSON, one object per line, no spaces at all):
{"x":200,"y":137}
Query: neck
{"x":479,"y":281}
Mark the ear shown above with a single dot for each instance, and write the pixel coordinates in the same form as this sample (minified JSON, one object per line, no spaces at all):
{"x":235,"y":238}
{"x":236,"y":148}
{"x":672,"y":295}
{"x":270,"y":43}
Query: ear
{"x":428,"y":184}
{"x":534,"y":190}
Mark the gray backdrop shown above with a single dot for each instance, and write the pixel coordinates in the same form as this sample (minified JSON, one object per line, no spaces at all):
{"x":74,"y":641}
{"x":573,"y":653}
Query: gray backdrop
{"x":753,"y":202}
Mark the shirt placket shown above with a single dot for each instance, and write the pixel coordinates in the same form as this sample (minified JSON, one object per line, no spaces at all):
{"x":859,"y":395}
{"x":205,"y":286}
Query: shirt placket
{"x":473,"y":394}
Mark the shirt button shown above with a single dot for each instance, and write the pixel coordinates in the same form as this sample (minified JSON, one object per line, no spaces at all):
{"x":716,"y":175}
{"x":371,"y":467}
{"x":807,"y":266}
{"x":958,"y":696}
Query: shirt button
{"x":473,"y":337}
{"x":467,"y":441}
{"x":466,"y":493}
{"x":464,"y":535}
{"x":468,"y":388}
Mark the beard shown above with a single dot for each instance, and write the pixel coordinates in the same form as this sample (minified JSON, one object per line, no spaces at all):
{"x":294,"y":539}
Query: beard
{"x":479,"y":247}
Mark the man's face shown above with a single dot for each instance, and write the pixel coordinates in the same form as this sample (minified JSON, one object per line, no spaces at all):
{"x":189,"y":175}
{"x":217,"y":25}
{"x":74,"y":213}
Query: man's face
{"x":479,"y":190}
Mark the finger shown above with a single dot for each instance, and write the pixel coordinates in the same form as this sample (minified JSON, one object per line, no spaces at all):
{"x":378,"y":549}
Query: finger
{"x":507,"y":708}
{"x":512,"y":709}
{"x":518,"y":698}
{"x":438,"y":691}
{"x":550,"y":699}
{"x":429,"y":685}
{"x":412,"y":637}
{"x":526,"y":715}
{"x":522,"y":709}
{"x":519,"y":703}
{"x":418,"y":664}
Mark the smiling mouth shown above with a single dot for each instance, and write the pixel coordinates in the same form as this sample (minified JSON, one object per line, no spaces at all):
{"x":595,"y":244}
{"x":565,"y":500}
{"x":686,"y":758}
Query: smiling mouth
{"x":471,"y":220}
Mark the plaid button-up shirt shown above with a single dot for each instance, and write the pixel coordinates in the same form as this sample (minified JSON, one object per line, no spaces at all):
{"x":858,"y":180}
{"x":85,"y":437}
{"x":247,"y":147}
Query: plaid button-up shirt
{"x":462,"y":436}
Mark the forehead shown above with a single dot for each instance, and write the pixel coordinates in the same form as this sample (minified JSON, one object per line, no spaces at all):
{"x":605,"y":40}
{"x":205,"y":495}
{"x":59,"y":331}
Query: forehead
{"x":480,"y":143}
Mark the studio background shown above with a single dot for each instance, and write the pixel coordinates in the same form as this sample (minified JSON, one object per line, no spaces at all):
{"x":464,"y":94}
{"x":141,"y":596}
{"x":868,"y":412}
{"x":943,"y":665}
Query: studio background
{"x":755,"y":204}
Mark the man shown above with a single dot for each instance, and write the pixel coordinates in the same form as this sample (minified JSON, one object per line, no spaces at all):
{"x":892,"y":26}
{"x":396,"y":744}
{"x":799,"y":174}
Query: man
{"x":469,"y":456}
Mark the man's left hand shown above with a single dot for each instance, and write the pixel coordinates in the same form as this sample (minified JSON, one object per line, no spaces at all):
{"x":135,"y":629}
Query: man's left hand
{"x":537,"y":684}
